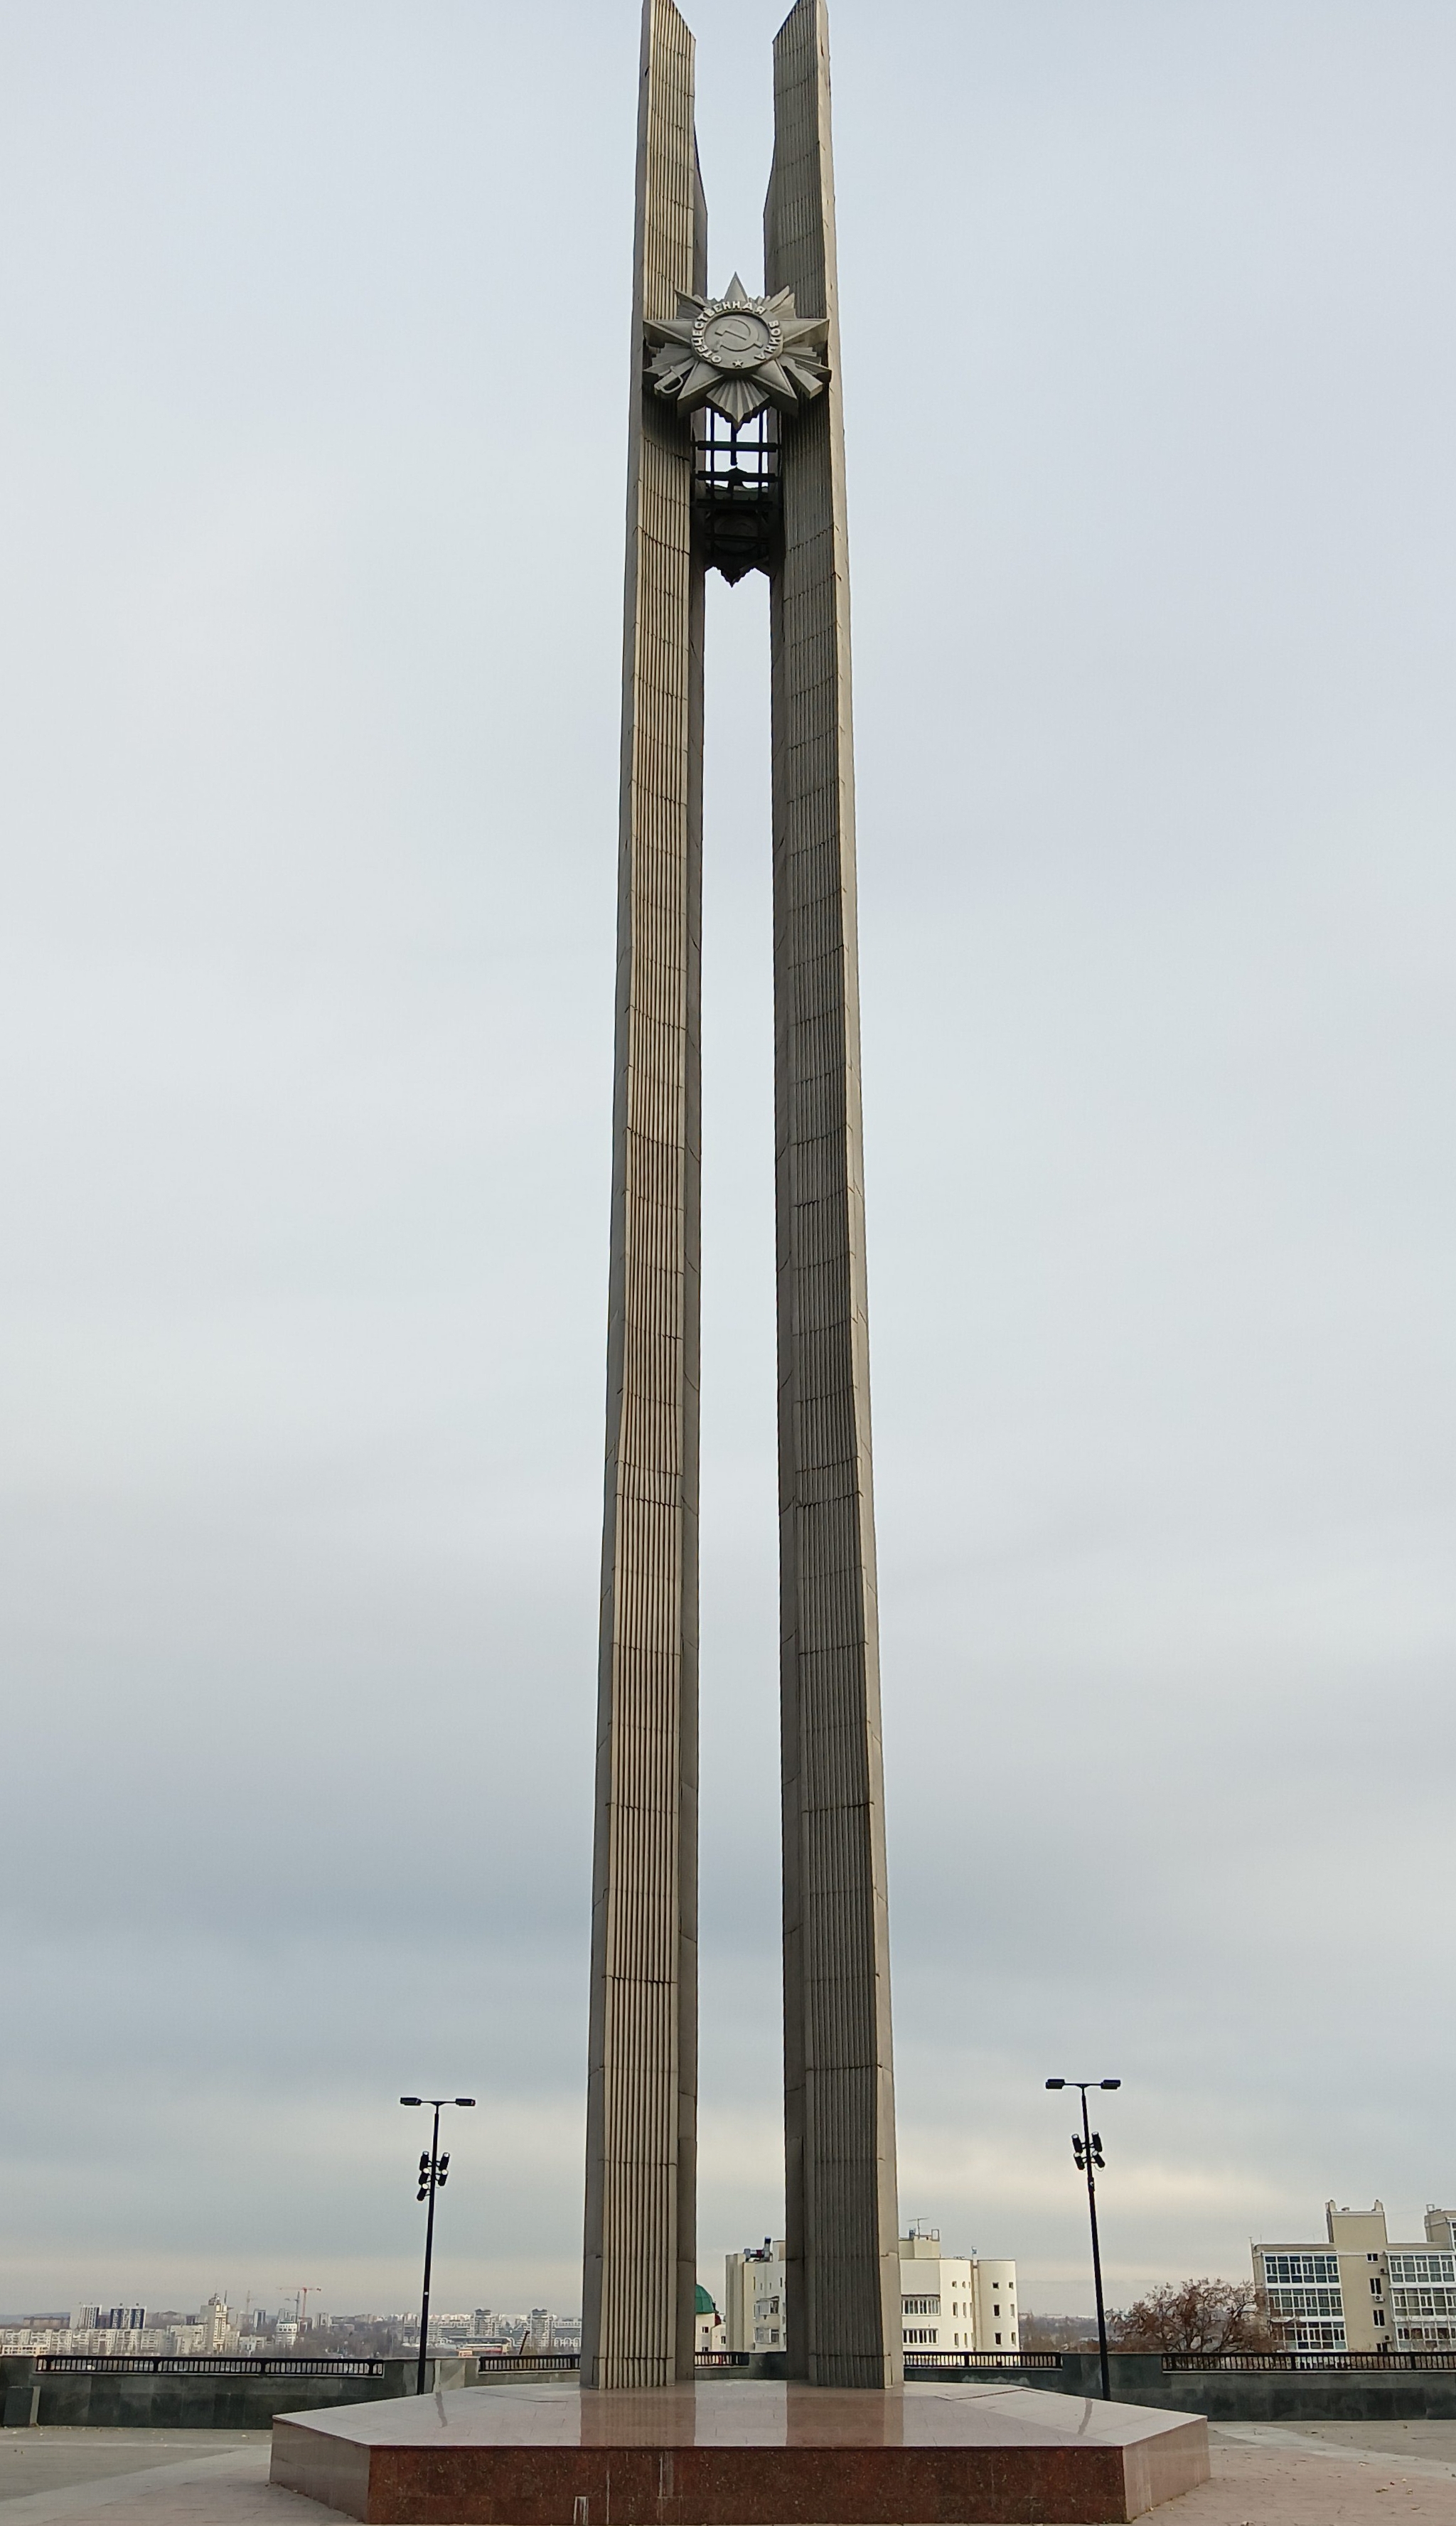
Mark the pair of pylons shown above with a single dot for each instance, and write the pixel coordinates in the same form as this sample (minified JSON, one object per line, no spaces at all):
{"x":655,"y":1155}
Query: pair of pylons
{"x":737,"y":462}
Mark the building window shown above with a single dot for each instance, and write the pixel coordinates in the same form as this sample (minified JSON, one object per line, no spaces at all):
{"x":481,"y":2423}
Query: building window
{"x":1422,"y":2268}
{"x":1305,"y":2301}
{"x":1294,"y":2268}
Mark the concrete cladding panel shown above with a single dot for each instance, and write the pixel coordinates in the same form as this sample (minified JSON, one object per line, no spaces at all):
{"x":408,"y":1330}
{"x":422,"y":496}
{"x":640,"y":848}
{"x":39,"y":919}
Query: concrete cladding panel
{"x":640,"y":2246}
{"x":844,"y":2275}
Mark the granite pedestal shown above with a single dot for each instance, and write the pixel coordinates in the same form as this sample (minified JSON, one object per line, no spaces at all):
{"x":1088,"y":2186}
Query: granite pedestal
{"x":728,"y":2454}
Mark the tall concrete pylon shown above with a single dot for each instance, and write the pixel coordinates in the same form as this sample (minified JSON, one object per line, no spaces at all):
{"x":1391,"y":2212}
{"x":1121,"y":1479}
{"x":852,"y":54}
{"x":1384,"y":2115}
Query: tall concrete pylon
{"x":736,"y":461}
{"x":640,"y":2266}
{"x":842,"y":2277}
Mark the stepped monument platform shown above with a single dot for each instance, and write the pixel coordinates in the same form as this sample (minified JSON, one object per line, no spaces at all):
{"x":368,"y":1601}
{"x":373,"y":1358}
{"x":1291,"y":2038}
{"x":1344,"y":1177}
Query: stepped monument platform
{"x":725,"y":2453}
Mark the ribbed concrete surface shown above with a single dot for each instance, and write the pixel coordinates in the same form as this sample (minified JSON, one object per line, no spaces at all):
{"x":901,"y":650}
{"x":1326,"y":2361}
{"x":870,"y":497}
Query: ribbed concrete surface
{"x":843,"y":2278}
{"x":640,"y":2247}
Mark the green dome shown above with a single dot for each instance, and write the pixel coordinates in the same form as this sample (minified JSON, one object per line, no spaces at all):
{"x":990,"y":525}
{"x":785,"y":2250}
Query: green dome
{"x":706,"y":2304}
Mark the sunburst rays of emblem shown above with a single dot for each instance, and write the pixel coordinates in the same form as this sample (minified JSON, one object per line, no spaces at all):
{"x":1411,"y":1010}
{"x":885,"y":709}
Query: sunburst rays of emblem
{"x":738,"y":353}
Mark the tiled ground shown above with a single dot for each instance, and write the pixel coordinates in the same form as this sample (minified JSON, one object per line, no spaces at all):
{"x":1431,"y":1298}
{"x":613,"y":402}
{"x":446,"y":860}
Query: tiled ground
{"x":36,"y":2460}
{"x":1329,"y":2473}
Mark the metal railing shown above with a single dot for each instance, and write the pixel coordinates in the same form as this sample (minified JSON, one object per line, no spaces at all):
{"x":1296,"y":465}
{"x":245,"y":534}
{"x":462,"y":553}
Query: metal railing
{"x":519,"y":2362}
{"x":1282,"y":2364}
{"x":201,"y":2363}
{"x":709,"y":2361}
{"x":982,"y":2360}
{"x":139,"y":2363}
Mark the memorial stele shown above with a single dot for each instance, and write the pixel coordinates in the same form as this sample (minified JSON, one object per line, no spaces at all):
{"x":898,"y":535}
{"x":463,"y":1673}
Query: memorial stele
{"x":736,"y":462}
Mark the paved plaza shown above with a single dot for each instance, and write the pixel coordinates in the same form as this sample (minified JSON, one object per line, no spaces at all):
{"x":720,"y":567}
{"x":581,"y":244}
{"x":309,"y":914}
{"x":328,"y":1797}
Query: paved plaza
{"x":1324,"y":2473}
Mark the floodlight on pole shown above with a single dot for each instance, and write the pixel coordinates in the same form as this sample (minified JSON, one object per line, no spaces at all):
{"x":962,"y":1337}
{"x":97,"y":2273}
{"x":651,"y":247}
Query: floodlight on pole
{"x":432,"y":2172}
{"x":1086,"y":2152}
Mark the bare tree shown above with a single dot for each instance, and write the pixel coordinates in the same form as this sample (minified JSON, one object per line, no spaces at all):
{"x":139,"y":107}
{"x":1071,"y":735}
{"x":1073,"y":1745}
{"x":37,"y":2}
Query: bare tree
{"x":1207,"y":2316}
{"x":1058,"y":2332}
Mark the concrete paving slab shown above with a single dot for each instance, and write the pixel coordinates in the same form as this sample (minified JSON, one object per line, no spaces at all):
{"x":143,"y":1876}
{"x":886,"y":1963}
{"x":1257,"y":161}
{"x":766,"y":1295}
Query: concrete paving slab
{"x":57,"y":2460}
{"x":1419,"y":2447}
{"x":122,"y":2481}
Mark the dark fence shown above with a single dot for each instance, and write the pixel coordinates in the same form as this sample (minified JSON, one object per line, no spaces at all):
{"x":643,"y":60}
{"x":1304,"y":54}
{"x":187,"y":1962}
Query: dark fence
{"x":981,"y":2360}
{"x":142,"y":2363}
{"x":1281,"y":2363}
{"x":525,"y":2363}
{"x":1241,"y":2386}
{"x":203,"y":2391}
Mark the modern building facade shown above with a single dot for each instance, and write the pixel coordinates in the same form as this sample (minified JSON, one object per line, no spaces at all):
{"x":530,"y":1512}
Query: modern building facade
{"x":1356,"y":2291}
{"x":736,"y":463}
{"x":112,"y":2332}
{"x":755,"y":2297}
{"x":109,"y":2319}
{"x":953,"y":2302}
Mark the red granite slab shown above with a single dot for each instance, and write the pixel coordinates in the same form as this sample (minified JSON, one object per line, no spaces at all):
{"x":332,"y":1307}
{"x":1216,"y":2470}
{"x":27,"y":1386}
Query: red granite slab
{"x":729,"y":2453}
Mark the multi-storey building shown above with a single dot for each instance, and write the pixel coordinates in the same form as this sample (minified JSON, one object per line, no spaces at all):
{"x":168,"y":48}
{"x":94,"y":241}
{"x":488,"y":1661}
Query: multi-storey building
{"x":1423,"y":2287}
{"x":1357,"y":2290}
{"x":753,"y":2298}
{"x":42,"y":2336}
{"x":109,"y":2331}
{"x":954,"y":2302}
{"x":218,"y":2333}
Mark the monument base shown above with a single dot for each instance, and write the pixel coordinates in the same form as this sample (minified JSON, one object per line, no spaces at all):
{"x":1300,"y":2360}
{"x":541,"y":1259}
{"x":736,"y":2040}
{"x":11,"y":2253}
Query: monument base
{"x":724,"y":2453}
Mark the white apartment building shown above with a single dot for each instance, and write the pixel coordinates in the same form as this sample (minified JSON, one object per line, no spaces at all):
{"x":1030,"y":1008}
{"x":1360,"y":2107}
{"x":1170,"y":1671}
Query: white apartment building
{"x":753,"y":2301}
{"x":948,"y":2303}
{"x":1356,"y":2291}
{"x":109,"y":2341}
{"x":955,"y":2301}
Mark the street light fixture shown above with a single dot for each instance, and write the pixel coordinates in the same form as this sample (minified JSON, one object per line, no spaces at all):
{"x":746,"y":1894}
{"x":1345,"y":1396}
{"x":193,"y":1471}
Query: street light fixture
{"x":434,"y":2170}
{"x":1086,"y":2149}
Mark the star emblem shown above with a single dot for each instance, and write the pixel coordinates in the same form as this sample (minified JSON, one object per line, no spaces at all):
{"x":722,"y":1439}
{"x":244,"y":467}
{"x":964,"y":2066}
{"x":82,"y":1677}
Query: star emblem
{"x":738,"y":353}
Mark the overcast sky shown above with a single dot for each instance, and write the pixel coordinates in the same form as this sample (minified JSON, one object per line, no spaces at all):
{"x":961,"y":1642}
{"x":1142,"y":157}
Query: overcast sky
{"x":314,"y":336}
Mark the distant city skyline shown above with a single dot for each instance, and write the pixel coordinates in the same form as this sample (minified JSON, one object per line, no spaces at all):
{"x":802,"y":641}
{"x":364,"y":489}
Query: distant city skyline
{"x":216,"y":2328}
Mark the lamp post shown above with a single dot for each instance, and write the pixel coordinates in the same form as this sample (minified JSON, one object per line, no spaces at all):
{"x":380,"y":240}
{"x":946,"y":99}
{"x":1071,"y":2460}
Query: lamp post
{"x":1086,"y":2148}
{"x":434,"y":2170}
